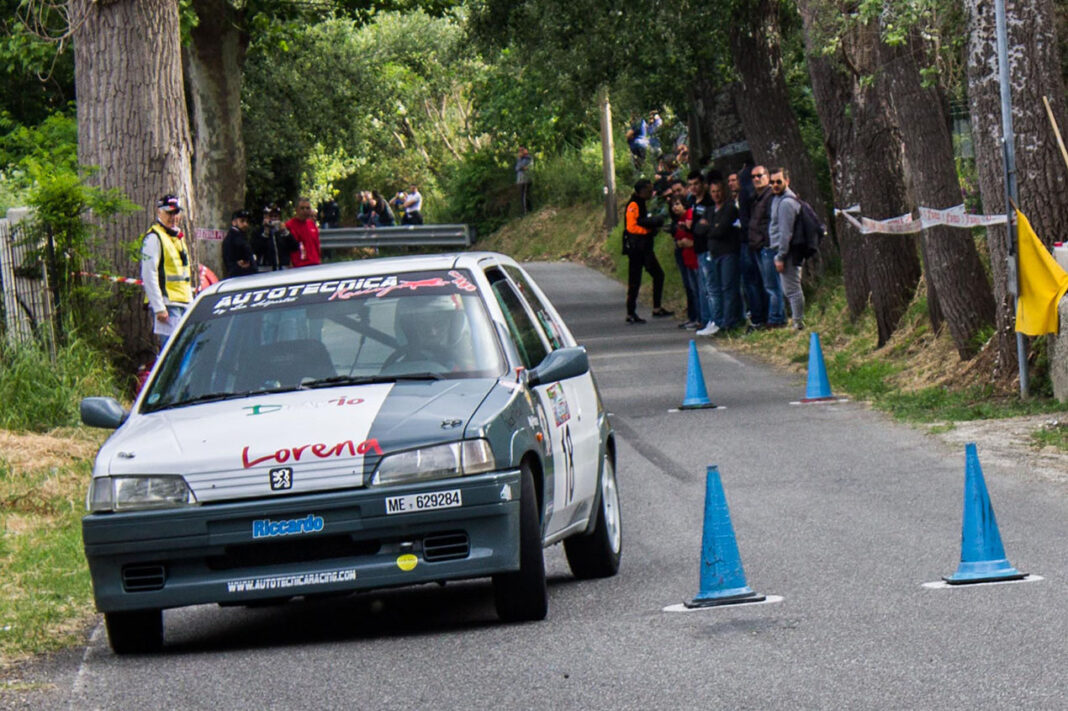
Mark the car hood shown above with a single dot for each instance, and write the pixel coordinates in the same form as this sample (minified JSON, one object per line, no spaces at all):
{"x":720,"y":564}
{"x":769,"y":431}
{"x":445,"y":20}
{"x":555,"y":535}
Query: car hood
{"x":326,"y":439}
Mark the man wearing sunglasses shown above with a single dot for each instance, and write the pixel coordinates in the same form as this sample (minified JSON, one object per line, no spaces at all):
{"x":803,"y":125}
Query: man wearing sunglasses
{"x":785,"y":208}
{"x":759,"y":219}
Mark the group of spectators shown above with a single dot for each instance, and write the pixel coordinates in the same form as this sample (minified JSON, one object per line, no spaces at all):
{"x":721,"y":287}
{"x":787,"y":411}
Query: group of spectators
{"x":732,"y":248}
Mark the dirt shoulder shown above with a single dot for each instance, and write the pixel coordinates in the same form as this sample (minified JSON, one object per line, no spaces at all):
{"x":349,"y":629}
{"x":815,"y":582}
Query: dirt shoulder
{"x":1007,"y":443}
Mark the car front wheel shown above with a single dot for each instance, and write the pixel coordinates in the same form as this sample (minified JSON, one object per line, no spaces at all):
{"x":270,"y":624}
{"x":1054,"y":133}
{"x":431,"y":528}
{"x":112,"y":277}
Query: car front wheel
{"x":523,"y":595}
{"x":136,"y":632}
{"x":596,"y":554}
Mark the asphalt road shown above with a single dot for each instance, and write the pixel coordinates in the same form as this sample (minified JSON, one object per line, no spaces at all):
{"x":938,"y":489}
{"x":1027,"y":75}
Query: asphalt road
{"x":838,"y":511}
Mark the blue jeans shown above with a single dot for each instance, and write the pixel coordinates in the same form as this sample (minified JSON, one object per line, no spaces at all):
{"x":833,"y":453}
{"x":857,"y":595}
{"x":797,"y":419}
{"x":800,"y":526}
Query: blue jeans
{"x":723,"y":294}
{"x":773,"y":287}
{"x":704,"y":275}
{"x":753,"y":285}
{"x":689,"y":283}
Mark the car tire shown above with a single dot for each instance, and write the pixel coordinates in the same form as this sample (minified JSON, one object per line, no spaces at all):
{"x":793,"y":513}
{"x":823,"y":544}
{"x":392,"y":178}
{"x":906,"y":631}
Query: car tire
{"x":523,"y":595}
{"x":596,"y":554}
{"x":137,"y":632}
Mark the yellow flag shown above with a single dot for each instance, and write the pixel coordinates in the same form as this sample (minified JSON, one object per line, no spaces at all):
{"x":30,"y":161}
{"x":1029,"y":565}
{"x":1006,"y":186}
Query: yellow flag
{"x":1042,"y":283}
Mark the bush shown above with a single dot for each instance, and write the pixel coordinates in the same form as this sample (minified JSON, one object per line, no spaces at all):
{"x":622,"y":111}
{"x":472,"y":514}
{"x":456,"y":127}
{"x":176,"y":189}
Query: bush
{"x":39,"y":394}
{"x":480,"y":190}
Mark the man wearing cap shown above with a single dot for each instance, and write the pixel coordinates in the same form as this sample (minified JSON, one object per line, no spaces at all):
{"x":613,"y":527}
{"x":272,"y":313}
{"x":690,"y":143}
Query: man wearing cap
{"x":236,"y":249}
{"x":165,"y":268}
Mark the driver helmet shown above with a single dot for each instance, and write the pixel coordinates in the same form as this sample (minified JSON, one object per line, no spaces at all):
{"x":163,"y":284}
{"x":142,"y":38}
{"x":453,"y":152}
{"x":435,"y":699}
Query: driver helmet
{"x":431,"y":322}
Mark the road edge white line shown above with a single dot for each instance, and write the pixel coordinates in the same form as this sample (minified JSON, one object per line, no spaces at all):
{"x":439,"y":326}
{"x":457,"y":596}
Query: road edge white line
{"x":76,"y":688}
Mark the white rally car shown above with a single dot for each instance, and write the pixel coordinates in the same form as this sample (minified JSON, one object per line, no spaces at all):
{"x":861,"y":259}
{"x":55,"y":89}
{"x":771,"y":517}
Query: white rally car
{"x":353,"y":426}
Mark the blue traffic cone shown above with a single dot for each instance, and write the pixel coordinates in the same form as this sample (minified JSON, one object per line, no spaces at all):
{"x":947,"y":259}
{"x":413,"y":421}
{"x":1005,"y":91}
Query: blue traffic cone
{"x":819,"y":388}
{"x":696,"y":394}
{"x":982,"y":557}
{"x":722,"y":576}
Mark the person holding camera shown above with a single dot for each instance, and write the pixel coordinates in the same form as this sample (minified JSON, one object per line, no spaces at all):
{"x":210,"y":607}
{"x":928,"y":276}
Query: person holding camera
{"x":272,"y":243}
{"x":638,"y":232}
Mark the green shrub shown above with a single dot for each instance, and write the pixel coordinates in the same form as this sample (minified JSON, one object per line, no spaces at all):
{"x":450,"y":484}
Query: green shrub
{"x":38,"y":394}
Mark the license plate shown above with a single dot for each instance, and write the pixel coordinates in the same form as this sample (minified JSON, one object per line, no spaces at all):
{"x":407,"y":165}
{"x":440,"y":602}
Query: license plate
{"x":423,"y":502}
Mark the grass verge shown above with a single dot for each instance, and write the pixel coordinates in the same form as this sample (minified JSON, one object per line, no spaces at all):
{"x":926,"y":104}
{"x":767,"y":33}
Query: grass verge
{"x":1054,"y":434}
{"x":45,"y":591}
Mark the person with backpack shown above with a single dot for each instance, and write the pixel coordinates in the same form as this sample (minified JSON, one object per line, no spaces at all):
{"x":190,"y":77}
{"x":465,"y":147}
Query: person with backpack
{"x":785,"y":208}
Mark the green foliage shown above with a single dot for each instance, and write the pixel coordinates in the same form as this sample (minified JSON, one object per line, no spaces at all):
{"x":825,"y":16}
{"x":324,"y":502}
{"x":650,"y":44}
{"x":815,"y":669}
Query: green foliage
{"x":340,"y":106}
{"x":36,"y":75}
{"x":29,"y":152}
{"x":47,"y":391}
{"x":480,"y":190}
{"x":67,"y":218}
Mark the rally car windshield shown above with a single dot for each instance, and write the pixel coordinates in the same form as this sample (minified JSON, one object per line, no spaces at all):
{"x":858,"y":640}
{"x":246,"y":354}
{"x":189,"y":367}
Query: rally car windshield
{"x":423,"y":326}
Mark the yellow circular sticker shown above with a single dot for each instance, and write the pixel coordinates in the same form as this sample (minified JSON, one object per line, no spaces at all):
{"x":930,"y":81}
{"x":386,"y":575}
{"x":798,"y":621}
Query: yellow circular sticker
{"x":407,"y":562}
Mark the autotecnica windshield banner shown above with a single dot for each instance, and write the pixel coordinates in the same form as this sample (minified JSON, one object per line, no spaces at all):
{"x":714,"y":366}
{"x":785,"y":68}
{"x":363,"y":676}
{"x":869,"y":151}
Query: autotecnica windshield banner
{"x":315,"y":292}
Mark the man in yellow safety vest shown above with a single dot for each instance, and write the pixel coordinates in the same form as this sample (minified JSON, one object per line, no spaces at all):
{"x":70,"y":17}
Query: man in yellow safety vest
{"x":165,"y":268}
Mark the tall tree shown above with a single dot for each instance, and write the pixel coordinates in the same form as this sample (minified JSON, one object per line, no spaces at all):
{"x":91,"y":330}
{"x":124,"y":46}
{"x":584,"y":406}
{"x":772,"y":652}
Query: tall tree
{"x":1034,"y":72}
{"x":214,"y":69}
{"x":958,"y":287}
{"x":863,"y":141}
{"x":763,"y":100}
{"x":133,"y":125}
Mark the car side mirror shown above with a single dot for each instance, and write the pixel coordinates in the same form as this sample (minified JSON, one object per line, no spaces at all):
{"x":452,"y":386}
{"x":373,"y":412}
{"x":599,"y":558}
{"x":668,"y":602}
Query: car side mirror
{"x":561,"y":364}
{"x":103,"y":412}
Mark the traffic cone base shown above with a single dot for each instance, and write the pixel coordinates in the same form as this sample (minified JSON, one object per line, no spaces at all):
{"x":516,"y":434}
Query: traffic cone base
{"x":696,"y":393}
{"x":722,"y":578}
{"x":725,"y":598}
{"x":982,"y":555}
{"x":830,"y":398}
{"x":819,"y":387}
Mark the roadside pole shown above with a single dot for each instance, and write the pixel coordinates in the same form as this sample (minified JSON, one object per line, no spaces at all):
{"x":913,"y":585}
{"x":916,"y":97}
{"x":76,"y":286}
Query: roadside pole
{"x":609,"y":160}
{"x":1011,"y":197}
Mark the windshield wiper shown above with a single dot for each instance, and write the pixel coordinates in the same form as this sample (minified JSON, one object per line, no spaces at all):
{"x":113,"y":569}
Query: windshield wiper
{"x":216,"y":397}
{"x":368,"y":379}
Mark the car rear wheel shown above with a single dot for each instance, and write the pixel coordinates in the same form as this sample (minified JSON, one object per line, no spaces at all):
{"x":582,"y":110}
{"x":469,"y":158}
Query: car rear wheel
{"x":596,"y":554}
{"x":523,"y":595}
{"x":135,"y":632}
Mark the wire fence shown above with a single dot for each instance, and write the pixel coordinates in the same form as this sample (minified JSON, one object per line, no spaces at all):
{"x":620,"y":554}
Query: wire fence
{"x":27,"y":300}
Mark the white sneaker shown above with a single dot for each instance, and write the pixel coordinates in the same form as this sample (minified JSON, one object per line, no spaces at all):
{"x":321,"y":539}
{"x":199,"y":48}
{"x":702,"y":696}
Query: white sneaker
{"x":710,"y":330}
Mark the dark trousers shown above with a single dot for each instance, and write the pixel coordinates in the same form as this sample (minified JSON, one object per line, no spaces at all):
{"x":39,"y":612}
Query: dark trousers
{"x":524,"y":197}
{"x":646,"y":260}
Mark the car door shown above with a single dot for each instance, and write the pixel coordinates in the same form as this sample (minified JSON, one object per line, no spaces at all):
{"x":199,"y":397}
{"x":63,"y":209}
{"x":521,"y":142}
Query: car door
{"x":567,"y":422}
{"x":581,"y":393}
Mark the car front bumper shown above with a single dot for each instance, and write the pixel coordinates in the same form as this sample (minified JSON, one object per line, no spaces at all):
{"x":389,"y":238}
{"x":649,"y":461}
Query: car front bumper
{"x":306,"y":544}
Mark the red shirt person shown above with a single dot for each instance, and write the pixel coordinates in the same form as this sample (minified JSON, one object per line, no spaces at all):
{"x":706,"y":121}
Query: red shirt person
{"x":302,"y":226}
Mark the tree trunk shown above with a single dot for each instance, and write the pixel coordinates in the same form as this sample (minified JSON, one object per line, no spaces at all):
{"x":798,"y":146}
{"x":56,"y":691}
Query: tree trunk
{"x":774,"y":135}
{"x":1034,"y":71}
{"x":957,"y":285}
{"x":832,"y":87}
{"x":892,"y":264}
{"x":133,"y":125}
{"x":215,"y":64}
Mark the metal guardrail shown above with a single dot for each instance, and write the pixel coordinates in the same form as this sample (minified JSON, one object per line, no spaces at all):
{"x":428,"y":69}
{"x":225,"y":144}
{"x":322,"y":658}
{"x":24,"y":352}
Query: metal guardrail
{"x":397,"y":236}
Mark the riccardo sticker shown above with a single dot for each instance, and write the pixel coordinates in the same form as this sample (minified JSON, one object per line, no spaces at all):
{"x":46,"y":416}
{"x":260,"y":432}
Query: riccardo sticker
{"x":407,"y":562}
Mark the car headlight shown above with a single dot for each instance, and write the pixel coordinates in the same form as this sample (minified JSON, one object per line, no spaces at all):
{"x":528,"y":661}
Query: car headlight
{"x":131,"y":493}
{"x":441,"y":461}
